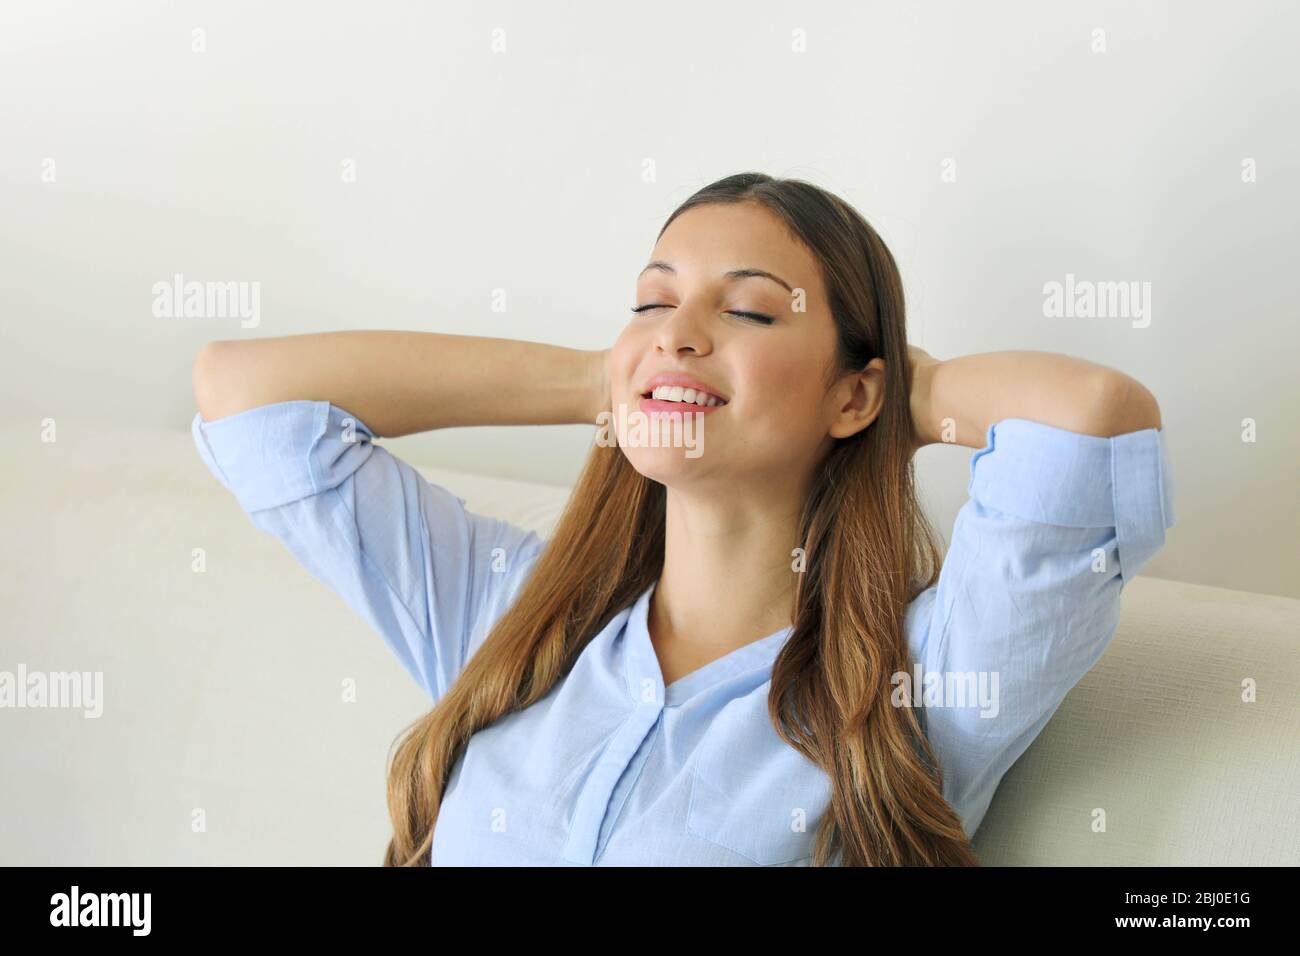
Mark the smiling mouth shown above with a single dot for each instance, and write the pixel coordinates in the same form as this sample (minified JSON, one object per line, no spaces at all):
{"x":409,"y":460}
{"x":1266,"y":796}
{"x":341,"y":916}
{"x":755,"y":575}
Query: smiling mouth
{"x":713,"y":401}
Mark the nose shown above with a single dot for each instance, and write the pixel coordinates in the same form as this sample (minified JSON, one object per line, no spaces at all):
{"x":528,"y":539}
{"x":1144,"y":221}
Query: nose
{"x":682,"y":330}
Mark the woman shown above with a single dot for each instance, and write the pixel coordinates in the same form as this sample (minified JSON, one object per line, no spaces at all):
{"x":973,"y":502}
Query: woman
{"x":714,"y":659}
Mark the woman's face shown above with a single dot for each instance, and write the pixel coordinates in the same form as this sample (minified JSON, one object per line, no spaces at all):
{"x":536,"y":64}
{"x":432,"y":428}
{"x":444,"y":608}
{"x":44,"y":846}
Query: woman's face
{"x":697,"y":320}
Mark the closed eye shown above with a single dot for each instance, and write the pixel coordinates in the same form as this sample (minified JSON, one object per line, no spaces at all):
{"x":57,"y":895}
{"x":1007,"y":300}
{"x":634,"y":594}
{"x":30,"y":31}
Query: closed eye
{"x":754,"y":316}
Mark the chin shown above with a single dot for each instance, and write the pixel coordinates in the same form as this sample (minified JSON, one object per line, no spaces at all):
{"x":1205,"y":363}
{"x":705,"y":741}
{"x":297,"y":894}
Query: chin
{"x":670,"y":466}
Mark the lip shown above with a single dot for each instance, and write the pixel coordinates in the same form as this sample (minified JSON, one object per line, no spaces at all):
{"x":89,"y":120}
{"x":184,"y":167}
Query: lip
{"x":685,"y":381}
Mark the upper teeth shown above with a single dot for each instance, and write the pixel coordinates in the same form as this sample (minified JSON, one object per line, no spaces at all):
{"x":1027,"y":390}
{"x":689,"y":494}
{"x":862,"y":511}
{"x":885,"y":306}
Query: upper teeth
{"x":675,"y":393}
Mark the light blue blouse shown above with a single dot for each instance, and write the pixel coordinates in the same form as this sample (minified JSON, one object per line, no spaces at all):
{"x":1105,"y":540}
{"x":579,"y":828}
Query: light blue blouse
{"x":614,"y":768}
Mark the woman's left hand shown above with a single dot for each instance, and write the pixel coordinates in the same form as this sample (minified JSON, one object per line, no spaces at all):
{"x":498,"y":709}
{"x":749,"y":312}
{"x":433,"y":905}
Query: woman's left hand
{"x":923,"y":365}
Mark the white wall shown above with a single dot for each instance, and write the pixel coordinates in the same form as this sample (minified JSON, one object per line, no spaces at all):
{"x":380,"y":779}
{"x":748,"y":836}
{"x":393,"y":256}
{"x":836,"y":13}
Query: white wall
{"x":523,"y":171}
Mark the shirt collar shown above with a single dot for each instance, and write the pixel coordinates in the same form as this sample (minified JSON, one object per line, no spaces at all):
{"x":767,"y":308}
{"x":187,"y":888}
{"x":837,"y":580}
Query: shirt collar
{"x":645,"y":681}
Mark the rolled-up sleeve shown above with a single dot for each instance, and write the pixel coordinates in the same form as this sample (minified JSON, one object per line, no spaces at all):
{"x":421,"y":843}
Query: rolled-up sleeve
{"x":405,"y":554}
{"x":1028,"y":597}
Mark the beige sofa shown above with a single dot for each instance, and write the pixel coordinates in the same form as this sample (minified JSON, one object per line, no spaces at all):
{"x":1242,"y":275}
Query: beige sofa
{"x":226,"y":736}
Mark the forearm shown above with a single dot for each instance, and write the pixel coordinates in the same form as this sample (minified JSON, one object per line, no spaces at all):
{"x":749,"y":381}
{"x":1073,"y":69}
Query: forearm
{"x":956,"y":400}
{"x":399,"y":383}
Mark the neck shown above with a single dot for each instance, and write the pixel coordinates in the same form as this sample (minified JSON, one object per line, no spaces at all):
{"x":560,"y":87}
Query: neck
{"x":727,"y":578}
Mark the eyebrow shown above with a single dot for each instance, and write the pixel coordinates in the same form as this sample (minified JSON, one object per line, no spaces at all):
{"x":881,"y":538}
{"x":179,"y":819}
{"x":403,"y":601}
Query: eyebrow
{"x":734,"y":274}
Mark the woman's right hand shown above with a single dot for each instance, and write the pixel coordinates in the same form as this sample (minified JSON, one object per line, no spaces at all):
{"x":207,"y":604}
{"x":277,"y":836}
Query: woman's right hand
{"x":400,"y":383}
{"x":600,"y":399}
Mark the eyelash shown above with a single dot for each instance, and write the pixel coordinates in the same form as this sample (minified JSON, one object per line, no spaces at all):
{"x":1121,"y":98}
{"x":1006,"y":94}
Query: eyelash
{"x":758,"y":317}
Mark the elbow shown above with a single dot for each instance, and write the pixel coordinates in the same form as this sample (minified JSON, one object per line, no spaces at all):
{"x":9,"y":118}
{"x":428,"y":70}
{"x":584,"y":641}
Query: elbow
{"x":1122,"y":404}
{"x":206,"y":378}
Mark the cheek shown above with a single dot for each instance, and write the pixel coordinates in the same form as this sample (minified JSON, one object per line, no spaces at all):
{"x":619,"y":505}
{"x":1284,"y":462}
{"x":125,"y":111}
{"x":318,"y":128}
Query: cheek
{"x":785,"y":408}
{"x":780,"y":381}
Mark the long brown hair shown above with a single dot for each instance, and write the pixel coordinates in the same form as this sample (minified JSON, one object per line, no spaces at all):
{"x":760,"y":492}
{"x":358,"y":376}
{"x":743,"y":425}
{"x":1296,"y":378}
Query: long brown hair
{"x":868,"y":548}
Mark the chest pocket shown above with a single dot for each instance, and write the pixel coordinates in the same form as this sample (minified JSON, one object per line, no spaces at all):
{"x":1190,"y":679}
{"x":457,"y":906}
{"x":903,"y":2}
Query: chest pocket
{"x":765,"y":807}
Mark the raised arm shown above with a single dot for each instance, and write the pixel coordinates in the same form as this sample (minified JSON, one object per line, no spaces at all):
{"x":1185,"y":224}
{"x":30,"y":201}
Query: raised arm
{"x":956,"y":400}
{"x":1071,"y":493}
{"x":399,"y":383}
{"x":290,"y":428}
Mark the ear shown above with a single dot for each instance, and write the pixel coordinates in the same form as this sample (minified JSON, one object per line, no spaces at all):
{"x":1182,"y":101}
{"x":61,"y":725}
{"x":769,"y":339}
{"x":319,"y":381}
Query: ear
{"x":859,"y":396}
